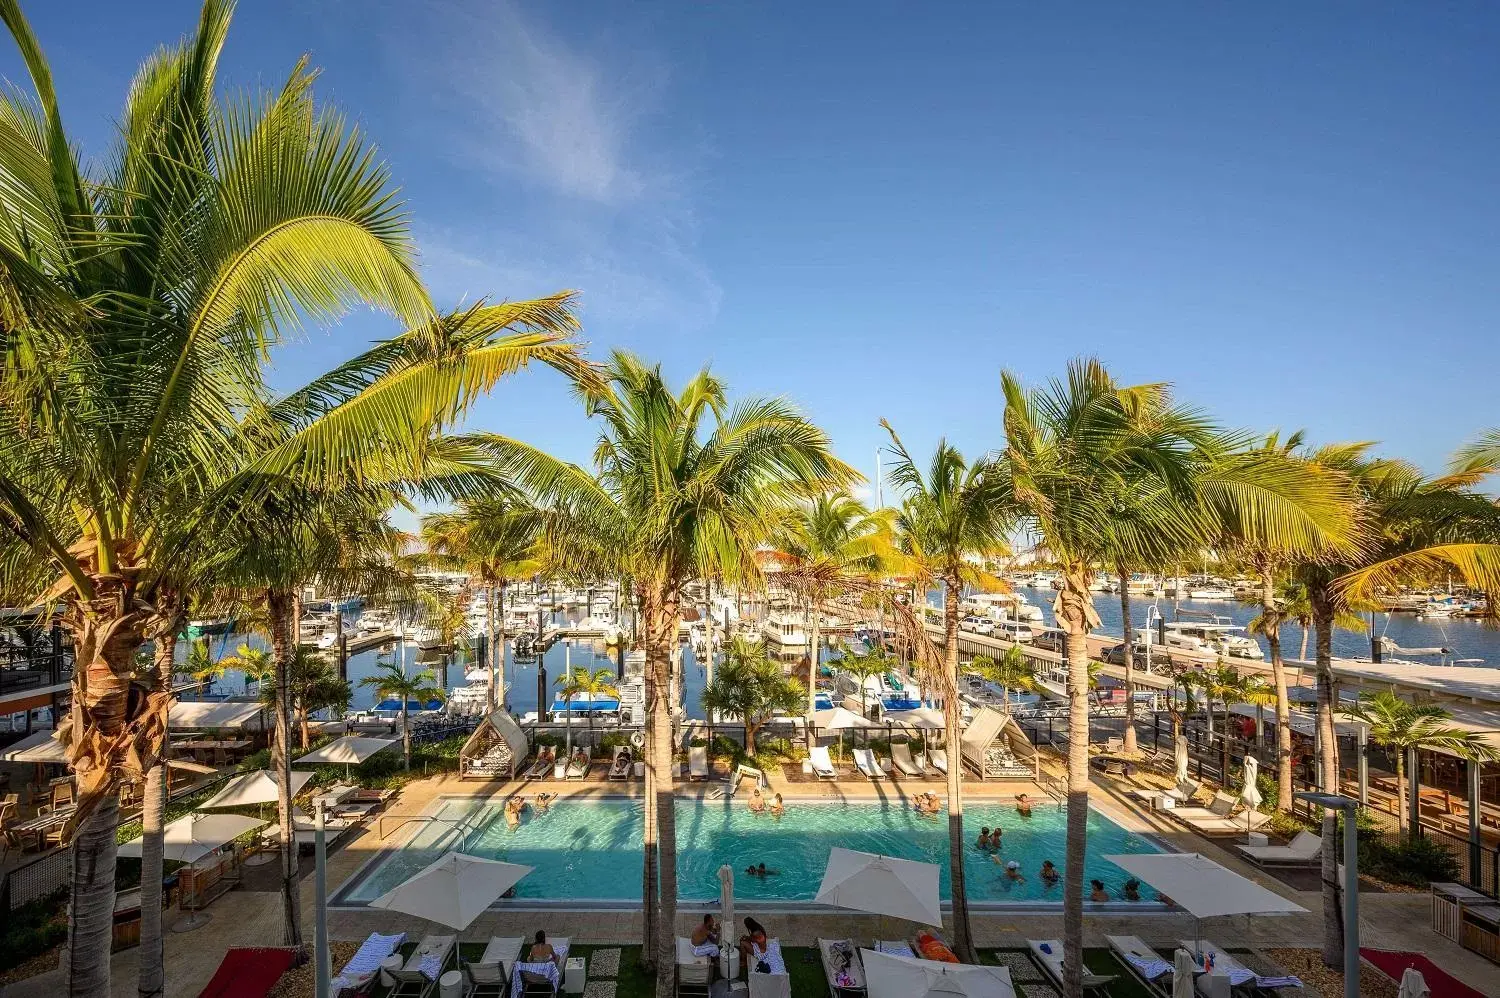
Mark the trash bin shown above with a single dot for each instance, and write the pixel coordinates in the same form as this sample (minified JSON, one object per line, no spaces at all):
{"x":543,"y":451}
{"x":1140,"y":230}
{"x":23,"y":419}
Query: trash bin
{"x":451,"y":984}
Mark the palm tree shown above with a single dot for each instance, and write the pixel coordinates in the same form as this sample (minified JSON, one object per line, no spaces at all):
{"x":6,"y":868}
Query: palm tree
{"x":828,"y":544}
{"x":581,"y":681}
{"x":1013,"y":672}
{"x":312,"y":685}
{"x":391,"y":680}
{"x":495,"y":541}
{"x":874,"y":662}
{"x":256,"y":664}
{"x":752,"y":687}
{"x":949,"y":515}
{"x":1401,"y":726}
{"x":1229,"y":686}
{"x":688,"y":486}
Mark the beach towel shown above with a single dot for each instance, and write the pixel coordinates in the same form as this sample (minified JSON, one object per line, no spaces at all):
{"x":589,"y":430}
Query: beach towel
{"x":1272,"y":983}
{"x":771,"y":955}
{"x":431,"y":965}
{"x":707,"y":949}
{"x":366,"y":960}
{"x":548,"y":970}
{"x":934,"y":948}
{"x":1149,"y":967}
{"x":893,"y":947}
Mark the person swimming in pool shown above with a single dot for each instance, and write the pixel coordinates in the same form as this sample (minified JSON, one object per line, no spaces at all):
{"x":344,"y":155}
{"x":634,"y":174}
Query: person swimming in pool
{"x":761,"y":871}
{"x":1023,"y":805}
{"x":1098,"y":894}
{"x":1132,"y":890}
{"x":756,"y":803}
{"x":1013,"y":873}
{"x":984,"y":839}
{"x":778,"y":806}
{"x":1049,"y":872}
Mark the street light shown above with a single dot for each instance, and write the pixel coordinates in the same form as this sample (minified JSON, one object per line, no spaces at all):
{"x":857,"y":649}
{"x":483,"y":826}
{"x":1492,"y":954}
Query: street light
{"x":1348,"y":805}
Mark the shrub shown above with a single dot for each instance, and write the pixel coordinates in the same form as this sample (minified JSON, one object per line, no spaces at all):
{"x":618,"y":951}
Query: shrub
{"x":1416,"y":862}
{"x":33,"y":929}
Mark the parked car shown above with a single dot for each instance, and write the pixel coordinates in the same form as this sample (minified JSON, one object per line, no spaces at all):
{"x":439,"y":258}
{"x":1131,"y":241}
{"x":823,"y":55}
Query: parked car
{"x":1048,"y":638}
{"x":1113,"y":655}
{"x":978,"y":625}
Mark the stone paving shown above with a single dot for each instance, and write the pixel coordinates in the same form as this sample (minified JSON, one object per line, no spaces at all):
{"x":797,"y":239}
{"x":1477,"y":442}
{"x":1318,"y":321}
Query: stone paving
{"x":241,"y":918}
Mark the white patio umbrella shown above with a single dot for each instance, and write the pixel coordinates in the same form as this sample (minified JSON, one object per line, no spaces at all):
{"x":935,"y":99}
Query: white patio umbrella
{"x":1202,"y":886}
{"x":726,"y":918}
{"x":259,"y":787}
{"x":888,"y":976}
{"x":1180,"y":757}
{"x":840,"y":719}
{"x":881,"y":885}
{"x":189,"y":839}
{"x":927,"y":718}
{"x":350,"y":750}
{"x":454,"y":890}
{"x":1182,"y":974}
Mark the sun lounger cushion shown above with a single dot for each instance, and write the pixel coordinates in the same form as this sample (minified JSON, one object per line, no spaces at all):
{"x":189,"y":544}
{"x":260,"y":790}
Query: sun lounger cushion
{"x":939,"y":759}
{"x":363,"y":965}
{"x":1146,"y":961}
{"x":771,"y":955}
{"x":547,"y":969}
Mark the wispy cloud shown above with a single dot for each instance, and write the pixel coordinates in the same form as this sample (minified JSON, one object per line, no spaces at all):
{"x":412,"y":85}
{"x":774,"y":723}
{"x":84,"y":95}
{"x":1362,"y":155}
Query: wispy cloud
{"x":577,"y":181}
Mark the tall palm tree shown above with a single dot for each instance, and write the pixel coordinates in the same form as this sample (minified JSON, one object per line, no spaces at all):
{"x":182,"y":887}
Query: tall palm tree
{"x":1399,"y":725}
{"x":590,"y":684}
{"x":495,"y":540}
{"x":391,"y":680}
{"x":949,"y":515}
{"x":828,"y":543}
{"x":1012,"y":672}
{"x":688,"y":486}
{"x":1071,"y":447}
{"x":256,"y":664}
{"x":752,"y":686}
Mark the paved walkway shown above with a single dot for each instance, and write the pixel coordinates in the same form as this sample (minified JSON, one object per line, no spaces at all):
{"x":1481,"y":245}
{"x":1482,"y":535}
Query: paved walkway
{"x":241,"y":918}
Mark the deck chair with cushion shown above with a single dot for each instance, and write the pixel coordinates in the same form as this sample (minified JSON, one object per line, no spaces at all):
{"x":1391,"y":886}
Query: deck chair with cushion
{"x":491,"y":973}
{"x":419,"y":975}
{"x":695,"y":973}
{"x":902,"y":757}
{"x":868,"y":764}
{"x":623,"y":764}
{"x":578,"y":765}
{"x":542,"y":767}
{"x":1147,"y":965}
{"x":938,"y":759}
{"x":774,"y":982}
{"x":842,"y":968}
{"x":1304,"y":850}
{"x":821,"y":764}
{"x":698,"y":762}
{"x":359,"y":973}
{"x":1048,"y":954}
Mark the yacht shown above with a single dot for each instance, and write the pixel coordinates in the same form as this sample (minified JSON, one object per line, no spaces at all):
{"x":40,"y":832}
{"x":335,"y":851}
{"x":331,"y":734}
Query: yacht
{"x":785,"y":629}
{"x":1210,"y":591}
{"x":211,"y":625}
{"x":999,"y":607}
{"x":1213,"y":639}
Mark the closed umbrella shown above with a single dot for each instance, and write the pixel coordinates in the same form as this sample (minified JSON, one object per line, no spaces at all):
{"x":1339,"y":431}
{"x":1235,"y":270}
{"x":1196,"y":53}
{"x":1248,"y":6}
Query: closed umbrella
{"x":890,"y":976}
{"x":1413,"y":984}
{"x":1180,"y":757}
{"x":726,"y":918}
{"x":1182,"y":974}
{"x":881,"y":885}
{"x":1250,"y":793}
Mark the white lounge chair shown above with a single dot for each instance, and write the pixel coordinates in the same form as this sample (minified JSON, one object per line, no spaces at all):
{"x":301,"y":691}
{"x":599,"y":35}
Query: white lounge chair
{"x":1145,"y":963}
{"x":1048,"y":954}
{"x":365,"y":963}
{"x":542,"y":767}
{"x":867,"y":763}
{"x":623,"y":764}
{"x":698,"y":762}
{"x":938,"y":758}
{"x":694,"y":973}
{"x":1304,"y":850}
{"x":902,"y":757}
{"x":578,"y":766}
{"x":821,"y":764}
{"x":419,"y":975}
{"x":491,"y":973}
{"x":1239,"y":975}
{"x":777,"y":983}
{"x":842,"y":955}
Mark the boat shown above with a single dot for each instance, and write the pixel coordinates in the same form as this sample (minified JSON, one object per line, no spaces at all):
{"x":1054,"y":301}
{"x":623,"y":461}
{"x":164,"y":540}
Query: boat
{"x":209,"y":625}
{"x":1210,"y":591}
{"x":584,"y":703}
{"x":785,"y":629}
{"x":1217,"y":638}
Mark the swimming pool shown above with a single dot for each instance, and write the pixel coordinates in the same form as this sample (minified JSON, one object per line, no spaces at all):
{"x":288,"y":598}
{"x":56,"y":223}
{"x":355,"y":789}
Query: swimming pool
{"x":591,"y":850}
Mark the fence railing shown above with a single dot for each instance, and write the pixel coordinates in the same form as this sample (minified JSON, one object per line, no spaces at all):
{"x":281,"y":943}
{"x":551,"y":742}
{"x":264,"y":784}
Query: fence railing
{"x":40,"y":878}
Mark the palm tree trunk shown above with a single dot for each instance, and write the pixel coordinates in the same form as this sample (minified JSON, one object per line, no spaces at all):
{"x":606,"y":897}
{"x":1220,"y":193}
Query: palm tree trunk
{"x":1401,"y":812}
{"x":1302,"y":656}
{"x":1129,"y":658}
{"x":1074,"y":619}
{"x":812,"y":672}
{"x":1333,"y":925}
{"x":91,"y":902}
{"x":661,"y":630}
{"x":499,"y":651}
{"x":281,"y":607}
{"x":963,"y":937}
{"x":1271,"y":614}
{"x":151,"y":976}
{"x":489,"y":648}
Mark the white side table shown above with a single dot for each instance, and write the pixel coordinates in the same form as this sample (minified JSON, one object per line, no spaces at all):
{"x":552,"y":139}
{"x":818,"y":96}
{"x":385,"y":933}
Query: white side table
{"x":575,"y":975}
{"x":1256,"y":839}
{"x":388,"y":968}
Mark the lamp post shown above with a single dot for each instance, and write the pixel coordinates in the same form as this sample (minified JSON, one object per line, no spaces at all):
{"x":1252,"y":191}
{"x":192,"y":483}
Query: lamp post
{"x":320,"y":903}
{"x":1350,"y":807}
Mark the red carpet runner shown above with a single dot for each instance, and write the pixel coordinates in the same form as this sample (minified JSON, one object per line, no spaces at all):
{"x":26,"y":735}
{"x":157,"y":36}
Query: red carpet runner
{"x":1441,"y":983}
{"x":250,"y":973}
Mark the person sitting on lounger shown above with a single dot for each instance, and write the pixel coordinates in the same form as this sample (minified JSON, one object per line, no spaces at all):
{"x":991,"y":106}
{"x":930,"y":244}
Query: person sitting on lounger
{"x":1098,"y":893}
{"x":1023,"y":805}
{"x":1132,"y":890}
{"x":542,"y":951}
{"x":778,"y":806}
{"x":707,"y":931}
{"x":753,"y":939}
{"x":756,"y":803}
{"x":1049,"y":872}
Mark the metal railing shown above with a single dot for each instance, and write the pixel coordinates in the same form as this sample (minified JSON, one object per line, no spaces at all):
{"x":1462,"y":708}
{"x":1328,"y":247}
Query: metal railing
{"x":40,"y":878}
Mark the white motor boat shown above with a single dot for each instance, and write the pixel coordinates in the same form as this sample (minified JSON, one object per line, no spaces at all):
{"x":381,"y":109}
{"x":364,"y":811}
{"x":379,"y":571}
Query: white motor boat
{"x":1210,"y":592}
{"x":785,"y":629}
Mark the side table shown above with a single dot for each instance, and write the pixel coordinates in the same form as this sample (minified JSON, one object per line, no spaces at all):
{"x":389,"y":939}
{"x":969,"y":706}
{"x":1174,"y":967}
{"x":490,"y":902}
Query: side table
{"x":575,"y":975}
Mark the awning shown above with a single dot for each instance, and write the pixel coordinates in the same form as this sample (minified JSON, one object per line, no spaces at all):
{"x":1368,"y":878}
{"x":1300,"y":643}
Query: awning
{"x":189,"y":839}
{"x":1202,"y":886}
{"x":195,"y":714}
{"x":39,"y":746}
{"x":347,"y":750}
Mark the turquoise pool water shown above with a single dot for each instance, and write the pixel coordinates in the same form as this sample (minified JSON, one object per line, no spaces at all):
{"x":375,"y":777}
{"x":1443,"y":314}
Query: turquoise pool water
{"x":591,"y":850}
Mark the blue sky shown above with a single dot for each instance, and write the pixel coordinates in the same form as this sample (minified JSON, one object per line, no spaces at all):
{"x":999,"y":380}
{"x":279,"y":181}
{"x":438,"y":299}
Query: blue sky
{"x":1288,"y":210}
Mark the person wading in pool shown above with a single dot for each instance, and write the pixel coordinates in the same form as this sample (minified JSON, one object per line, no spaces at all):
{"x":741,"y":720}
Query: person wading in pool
{"x":761,"y":871}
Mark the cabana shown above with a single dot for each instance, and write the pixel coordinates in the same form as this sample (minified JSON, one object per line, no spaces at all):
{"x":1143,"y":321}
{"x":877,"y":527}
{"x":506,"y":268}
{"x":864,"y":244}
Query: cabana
{"x":497,"y":748}
{"x":995,"y":748}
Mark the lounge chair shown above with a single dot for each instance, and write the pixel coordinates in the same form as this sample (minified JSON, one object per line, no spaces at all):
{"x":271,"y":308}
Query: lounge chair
{"x":1048,"y":954}
{"x":938,"y":759}
{"x":623,"y":764}
{"x":1304,"y":850}
{"x":775,"y":984}
{"x":1141,"y":960}
{"x":821,"y":764}
{"x":698,"y":762}
{"x":1239,"y":975}
{"x":902,"y":757}
{"x":867,"y":763}
{"x":928,"y":945}
{"x":1114,"y":743}
{"x":542,"y":767}
{"x":578,"y":766}
{"x":894,"y":947}
{"x":694,"y":973}
{"x":490,"y":974}
{"x":419,"y":975}
{"x":841,"y":956}
{"x":359,"y":973}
